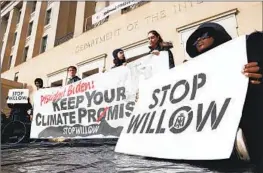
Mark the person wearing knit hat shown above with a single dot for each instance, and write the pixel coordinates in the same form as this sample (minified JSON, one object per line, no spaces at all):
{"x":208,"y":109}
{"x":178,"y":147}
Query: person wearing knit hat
{"x":119,"y":58}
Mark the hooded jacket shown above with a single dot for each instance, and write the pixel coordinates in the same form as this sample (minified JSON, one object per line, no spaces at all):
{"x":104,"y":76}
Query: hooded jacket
{"x":252,"y":115}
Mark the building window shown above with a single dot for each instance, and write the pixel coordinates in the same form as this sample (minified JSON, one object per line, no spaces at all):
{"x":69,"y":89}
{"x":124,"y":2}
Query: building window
{"x":90,"y":72}
{"x":48,"y":17}
{"x":29,"y":28}
{"x":10,"y":62}
{"x":229,"y":22}
{"x":57,"y":83}
{"x":25,"y":54}
{"x":5,"y":21}
{"x":34,"y":3}
{"x":19,"y":16}
{"x":14,"y":40}
{"x":16,"y":77}
{"x":44,"y":44}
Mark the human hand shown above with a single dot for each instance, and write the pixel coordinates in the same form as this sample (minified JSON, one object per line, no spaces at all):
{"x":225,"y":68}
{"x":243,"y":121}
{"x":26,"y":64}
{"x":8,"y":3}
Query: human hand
{"x":29,"y":111}
{"x":155,"y":52}
{"x":137,"y":97}
{"x":252,"y":71}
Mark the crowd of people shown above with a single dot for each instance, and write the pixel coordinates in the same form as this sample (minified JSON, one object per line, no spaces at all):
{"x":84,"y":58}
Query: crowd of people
{"x":206,"y":37}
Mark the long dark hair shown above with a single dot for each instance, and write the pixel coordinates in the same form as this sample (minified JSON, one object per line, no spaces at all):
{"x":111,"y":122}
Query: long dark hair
{"x":161,"y":43}
{"x":156,"y":34}
{"x":40,"y":81}
{"x":118,"y":62}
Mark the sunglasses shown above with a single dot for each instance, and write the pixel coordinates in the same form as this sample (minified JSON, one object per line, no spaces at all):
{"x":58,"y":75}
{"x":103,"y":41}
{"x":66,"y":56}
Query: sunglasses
{"x":204,"y":36}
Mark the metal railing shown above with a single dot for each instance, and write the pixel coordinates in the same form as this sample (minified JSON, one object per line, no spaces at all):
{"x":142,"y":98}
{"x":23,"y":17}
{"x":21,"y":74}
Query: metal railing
{"x":134,"y":6}
{"x":64,"y":38}
{"x":88,"y":21}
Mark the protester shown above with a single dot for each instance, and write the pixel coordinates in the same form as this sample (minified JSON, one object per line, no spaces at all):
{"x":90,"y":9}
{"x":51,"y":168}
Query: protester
{"x":4,"y":119}
{"x":72,"y":77}
{"x":19,"y":111}
{"x":210,"y":35}
{"x":39,"y":83}
{"x":156,"y":44}
{"x":119,"y":58}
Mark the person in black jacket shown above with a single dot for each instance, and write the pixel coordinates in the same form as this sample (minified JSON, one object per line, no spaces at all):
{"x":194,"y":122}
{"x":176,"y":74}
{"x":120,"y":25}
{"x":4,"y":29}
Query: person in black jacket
{"x":19,"y":111}
{"x":210,"y":35}
{"x":72,"y":70}
{"x":118,"y":58}
{"x":157,"y":44}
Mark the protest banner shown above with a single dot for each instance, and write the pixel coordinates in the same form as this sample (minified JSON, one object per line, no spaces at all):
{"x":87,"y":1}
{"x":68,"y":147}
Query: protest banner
{"x":94,"y":107}
{"x":105,"y":12}
{"x":17,"y":96}
{"x":191,"y":112}
{"x":144,"y":68}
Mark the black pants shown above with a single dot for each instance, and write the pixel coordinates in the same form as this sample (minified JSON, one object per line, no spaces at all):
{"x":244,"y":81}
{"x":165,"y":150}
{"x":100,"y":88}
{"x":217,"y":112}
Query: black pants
{"x":252,"y":124}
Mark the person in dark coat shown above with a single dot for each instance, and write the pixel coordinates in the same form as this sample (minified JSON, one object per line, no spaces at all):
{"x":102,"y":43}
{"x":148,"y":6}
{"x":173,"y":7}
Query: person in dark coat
{"x":157,"y":44}
{"x":19,"y":111}
{"x":210,"y":35}
{"x":118,"y":58}
{"x":4,"y":120}
{"x":72,"y":70}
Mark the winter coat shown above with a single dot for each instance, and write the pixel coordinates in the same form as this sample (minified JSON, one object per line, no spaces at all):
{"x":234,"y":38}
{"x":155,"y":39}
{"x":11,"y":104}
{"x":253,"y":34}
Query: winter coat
{"x":72,"y":80}
{"x":252,"y":115}
{"x":19,"y":111}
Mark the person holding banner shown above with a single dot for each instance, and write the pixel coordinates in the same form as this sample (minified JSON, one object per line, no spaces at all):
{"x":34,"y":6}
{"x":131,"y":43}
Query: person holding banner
{"x":72,"y":70}
{"x":157,"y":44}
{"x":19,"y":111}
{"x":119,"y":58}
{"x":38,"y":83}
{"x":210,"y":35}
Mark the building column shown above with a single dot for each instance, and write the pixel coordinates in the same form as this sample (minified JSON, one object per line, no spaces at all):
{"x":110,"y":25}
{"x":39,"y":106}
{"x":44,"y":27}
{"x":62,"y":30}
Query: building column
{"x":18,"y":52}
{"x":8,"y":39}
{"x":53,"y":25}
{"x":37,"y":29}
{"x":3,"y":26}
{"x":79,"y":20}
